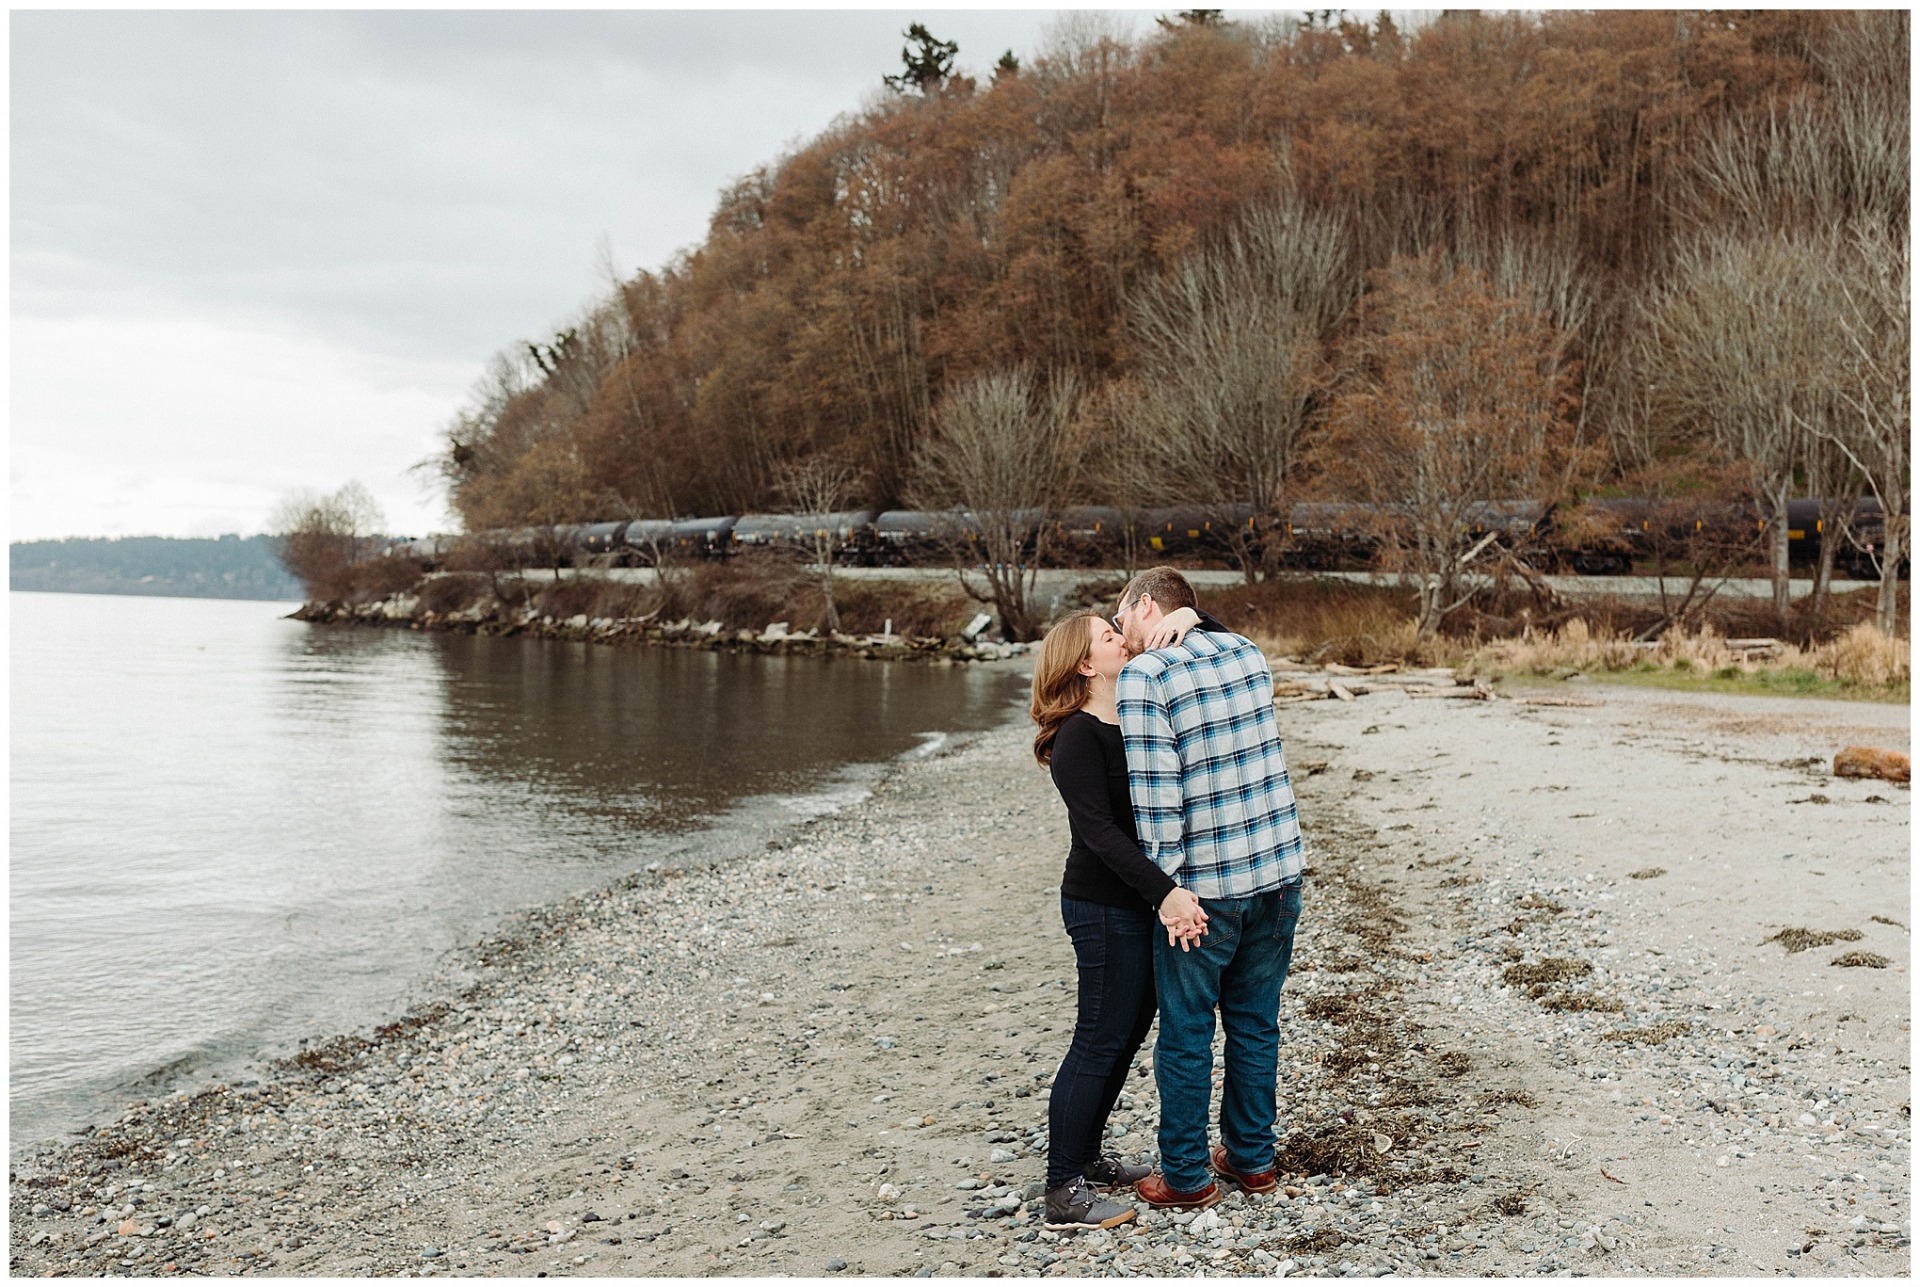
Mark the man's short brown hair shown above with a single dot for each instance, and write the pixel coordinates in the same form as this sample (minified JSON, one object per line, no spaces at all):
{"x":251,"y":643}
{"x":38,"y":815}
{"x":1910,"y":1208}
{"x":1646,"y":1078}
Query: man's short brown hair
{"x":1169,"y":589}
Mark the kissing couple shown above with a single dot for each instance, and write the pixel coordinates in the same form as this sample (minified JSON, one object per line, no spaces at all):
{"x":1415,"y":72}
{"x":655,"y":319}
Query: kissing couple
{"x":1157,"y":725}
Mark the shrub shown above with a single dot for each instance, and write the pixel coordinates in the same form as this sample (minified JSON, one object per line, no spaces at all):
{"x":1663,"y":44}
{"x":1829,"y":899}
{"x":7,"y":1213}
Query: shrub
{"x":367,"y":581}
{"x":454,"y":592}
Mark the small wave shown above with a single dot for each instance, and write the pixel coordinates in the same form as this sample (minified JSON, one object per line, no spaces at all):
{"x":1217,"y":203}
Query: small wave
{"x":929,"y":744}
{"x":814,"y":803}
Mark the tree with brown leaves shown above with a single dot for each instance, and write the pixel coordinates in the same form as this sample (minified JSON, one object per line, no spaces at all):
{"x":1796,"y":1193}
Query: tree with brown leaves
{"x":1452,"y":404}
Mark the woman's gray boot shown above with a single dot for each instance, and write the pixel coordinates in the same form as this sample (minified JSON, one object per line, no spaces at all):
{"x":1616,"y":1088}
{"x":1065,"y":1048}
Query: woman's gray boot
{"x":1074,"y":1206}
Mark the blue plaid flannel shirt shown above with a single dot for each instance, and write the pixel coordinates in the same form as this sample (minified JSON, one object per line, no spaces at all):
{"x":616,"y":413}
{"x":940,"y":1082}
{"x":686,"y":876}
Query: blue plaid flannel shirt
{"x":1211,"y":798}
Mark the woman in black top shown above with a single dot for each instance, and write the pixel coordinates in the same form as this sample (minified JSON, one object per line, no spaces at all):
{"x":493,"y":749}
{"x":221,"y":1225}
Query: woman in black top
{"x":1109,"y":895}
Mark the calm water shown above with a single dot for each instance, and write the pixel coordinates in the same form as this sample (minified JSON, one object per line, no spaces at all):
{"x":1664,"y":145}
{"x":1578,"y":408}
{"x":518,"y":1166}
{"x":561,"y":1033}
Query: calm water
{"x":230,"y":830}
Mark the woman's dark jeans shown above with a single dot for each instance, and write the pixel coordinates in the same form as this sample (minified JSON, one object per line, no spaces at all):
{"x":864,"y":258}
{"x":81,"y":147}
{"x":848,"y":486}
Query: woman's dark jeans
{"x":1113,"y":947}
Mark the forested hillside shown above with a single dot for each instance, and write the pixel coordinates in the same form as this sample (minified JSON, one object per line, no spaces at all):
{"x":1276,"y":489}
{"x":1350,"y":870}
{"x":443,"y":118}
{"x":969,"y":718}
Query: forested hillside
{"x":1228,"y":252}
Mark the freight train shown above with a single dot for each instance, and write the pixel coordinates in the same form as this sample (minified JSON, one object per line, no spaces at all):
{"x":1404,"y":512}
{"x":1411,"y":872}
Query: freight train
{"x":1597,"y":537}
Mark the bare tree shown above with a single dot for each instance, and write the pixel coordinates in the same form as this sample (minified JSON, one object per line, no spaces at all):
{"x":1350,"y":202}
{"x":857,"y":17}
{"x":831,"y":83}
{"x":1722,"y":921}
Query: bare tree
{"x":817,"y":486}
{"x":1230,"y":364}
{"x":1454,"y":404}
{"x":1001,"y":449}
{"x":1732,"y":347}
{"x":318,"y":538}
{"x":1791,"y":204}
{"x":1875,"y":388}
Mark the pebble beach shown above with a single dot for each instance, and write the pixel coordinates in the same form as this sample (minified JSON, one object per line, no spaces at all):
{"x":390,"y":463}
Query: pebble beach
{"x":1617,"y":985}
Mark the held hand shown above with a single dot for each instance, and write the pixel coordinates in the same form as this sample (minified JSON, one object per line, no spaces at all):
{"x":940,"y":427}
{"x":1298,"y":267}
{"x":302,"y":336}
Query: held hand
{"x":1172,"y":628}
{"x":1185,"y":920}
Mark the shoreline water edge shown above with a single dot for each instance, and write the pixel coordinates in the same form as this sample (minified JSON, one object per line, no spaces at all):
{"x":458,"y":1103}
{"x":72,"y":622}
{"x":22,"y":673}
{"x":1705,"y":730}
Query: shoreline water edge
{"x":1502,"y":1053}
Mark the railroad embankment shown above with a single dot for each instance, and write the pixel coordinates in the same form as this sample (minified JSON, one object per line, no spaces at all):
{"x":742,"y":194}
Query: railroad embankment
{"x":741,"y":606}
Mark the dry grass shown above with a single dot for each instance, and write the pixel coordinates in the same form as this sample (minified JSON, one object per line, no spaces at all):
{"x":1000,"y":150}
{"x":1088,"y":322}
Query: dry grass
{"x":1865,"y":656}
{"x":1861,"y":661}
{"x":1321,"y":621}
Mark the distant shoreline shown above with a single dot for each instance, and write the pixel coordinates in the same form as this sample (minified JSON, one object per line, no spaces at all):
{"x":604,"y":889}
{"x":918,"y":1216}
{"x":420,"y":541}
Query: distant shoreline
{"x":181,"y":567}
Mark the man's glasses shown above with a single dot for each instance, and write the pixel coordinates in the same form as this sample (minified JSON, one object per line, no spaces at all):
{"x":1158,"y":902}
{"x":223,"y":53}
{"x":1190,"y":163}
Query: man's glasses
{"x":1116,"y":619}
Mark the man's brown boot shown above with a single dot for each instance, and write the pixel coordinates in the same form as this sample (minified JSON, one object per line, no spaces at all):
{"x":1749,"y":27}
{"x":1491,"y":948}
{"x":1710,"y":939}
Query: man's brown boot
{"x":1154,"y":1192}
{"x":1256,"y":1182}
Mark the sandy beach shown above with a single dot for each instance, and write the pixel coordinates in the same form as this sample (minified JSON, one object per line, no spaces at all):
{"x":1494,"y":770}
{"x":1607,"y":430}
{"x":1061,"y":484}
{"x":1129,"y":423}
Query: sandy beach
{"x":1535,"y":1027}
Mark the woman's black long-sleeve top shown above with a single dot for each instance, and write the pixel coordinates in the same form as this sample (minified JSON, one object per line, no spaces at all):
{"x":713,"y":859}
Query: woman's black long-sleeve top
{"x":1105,"y":864}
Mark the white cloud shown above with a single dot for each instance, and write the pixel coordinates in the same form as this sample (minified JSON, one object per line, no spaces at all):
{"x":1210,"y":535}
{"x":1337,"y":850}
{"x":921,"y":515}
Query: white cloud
{"x":192,"y":426}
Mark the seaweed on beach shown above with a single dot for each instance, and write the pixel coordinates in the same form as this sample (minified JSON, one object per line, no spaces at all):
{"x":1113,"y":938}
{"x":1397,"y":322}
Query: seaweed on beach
{"x":1501,"y":1098}
{"x":1534,"y":902}
{"x":335,"y":1056}
{"x":1348,"y":1148}
{"x":1555,"y":969}
{"x":1647,"y":873}
{"x":1652,"y":1034}
{"x":1318,"y":1242}
{"x":1404,"y":1093}
{"x":1871,"y":960}
{"x":1336,"y":1009}
{"x":1799,"y":938}
{"x":1452,"y":1064}
{"x":1579,"y":1001}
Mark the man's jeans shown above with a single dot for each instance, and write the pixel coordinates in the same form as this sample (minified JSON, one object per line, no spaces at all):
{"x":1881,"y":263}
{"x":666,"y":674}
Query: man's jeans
{"x":1238,"y":967}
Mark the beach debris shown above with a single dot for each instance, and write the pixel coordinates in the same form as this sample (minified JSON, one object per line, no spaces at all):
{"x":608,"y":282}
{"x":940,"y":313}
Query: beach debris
{"x":1799,"y":939}
{"x":1546,"y":700}
{"x":1647,"y":873}
{"x":1340,"y":690}
{"x":1872,"y":762}
{"x":1871,"y":960}
{"x":1477,"y":691}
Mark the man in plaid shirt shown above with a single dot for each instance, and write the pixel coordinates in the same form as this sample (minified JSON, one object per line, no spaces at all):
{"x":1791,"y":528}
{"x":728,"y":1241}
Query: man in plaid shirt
{"x":1214,"y":808}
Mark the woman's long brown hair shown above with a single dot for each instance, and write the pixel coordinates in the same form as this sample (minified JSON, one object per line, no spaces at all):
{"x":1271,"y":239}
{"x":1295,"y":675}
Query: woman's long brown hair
{"x":1059,"y":689}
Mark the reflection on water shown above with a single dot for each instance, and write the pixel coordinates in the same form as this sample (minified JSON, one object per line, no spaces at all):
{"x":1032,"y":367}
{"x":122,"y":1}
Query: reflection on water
{"x":230,"y":830}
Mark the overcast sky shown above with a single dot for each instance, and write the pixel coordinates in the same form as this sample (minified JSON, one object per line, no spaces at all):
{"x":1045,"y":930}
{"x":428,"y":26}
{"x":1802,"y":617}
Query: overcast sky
{"x":258,"y":252}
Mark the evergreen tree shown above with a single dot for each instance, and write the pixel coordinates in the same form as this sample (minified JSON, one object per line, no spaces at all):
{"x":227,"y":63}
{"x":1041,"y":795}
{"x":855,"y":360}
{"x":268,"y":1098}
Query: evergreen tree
{"x":929,"y":65}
